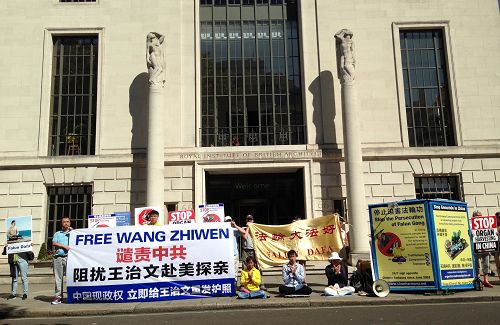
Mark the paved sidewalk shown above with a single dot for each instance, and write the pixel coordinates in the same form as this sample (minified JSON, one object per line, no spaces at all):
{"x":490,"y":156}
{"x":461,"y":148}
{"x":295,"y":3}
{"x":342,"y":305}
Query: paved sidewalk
{"x":40,"y":295}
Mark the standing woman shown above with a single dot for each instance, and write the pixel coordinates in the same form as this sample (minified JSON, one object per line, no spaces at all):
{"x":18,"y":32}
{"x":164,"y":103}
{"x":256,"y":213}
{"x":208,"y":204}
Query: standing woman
{"x":18,"y":263}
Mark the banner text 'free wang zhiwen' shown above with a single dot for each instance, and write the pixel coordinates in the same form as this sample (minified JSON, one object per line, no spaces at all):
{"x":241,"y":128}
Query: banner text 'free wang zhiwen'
{"x":138,"y":263}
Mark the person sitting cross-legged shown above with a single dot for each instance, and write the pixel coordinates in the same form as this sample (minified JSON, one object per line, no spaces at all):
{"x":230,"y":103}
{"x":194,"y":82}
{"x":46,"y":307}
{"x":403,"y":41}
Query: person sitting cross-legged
{"x":336,"y":273}
{"x":293,"y":277}
{"x":250,"y":281}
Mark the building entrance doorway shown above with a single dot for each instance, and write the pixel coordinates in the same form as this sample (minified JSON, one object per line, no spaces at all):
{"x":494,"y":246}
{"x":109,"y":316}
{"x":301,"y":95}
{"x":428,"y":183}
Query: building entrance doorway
{"x":272,"y":198}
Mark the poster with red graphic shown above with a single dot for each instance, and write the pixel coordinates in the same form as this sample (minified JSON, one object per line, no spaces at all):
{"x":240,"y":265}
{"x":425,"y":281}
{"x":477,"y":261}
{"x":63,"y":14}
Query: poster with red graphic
{"x":149,"y":216}
{"x":211,"y":212}
{"x":102,"y":221}
{"x":484,"y":234}
{"x":181,"y":217}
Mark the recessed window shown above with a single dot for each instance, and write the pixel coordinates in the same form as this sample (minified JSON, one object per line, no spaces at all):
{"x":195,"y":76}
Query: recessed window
{"x":250,"y":74}
{"x":74,"y":202}
{"x":428,"y":109}
{"x":73,"y":95}
{"x":438,"y":187}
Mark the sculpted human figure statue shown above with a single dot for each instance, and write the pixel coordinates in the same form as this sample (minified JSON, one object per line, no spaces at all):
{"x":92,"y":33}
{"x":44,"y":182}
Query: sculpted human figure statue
{"x":155,"y":59}
{"x":347,"y":60}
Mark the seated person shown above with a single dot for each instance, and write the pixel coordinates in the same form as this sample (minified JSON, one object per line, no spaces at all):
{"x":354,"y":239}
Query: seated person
{"x":250,"y":281}
{"x":293,"y":277}
{"x":336,"y":273}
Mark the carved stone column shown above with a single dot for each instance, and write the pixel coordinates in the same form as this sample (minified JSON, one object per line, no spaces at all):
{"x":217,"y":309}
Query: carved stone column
{"x":358,"y":215}
{"x":155,"y":163}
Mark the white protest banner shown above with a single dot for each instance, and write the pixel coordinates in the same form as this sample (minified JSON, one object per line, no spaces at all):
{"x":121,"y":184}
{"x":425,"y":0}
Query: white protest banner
{"x":144,"y":263}
{"x":19,"y":234}
{"x":484,"y":234}
{"x":146,"y":216}
{"x":181,"y":217}
{"x":211,"y":212}
{"x":102,"y":221}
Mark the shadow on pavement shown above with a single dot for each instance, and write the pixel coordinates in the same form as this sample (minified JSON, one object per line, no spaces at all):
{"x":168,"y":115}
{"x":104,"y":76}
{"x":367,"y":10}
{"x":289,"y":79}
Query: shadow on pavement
{"x":44,"y":298}
{"x":7,"y":311}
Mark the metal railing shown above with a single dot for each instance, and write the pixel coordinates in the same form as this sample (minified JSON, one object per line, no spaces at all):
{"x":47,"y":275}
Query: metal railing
{"x":252,"y":136}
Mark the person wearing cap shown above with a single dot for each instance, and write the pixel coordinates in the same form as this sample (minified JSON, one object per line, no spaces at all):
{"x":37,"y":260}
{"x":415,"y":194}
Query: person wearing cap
{"x":248,"y":249}
{"x":236,"y":254}
{"x":336,"y":273}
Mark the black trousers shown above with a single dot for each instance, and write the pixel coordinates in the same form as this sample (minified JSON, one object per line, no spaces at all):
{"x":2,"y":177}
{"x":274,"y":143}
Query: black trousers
{"x":284,"y":290}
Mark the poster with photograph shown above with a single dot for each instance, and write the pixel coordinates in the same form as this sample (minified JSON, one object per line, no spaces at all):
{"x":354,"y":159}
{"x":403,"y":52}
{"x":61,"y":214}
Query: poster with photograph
{"x":102,"y":221}
{"x":19,"y":233}
{"x":400,"y":245}
{"x":211,"y":212}
{"x":453,"y":244}
{"x":149,"y":216}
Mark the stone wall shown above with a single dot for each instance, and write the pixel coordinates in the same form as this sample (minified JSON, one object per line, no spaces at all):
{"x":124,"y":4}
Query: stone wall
{"x":393,"y":180}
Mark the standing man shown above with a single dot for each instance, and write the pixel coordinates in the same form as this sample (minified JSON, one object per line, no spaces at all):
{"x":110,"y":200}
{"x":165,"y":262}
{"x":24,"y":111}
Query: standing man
{"x":497,"y":254}
{"x":236,"y":254}
{"x":60,"y":244}
{"x":248,"y":249}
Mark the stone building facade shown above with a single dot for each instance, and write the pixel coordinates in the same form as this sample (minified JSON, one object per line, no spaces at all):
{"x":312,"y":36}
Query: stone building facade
{"x":106,"y":170}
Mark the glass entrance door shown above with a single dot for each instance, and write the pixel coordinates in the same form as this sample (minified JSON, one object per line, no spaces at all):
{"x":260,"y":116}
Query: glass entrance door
{"x":259,"y":209}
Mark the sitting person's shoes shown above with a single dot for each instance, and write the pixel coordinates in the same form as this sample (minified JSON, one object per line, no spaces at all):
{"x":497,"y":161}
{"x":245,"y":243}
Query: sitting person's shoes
{"x":11,"y":296}
{"x":25,"y":296}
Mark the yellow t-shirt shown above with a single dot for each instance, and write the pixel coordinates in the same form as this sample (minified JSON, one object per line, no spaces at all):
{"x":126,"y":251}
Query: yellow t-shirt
{"x":253,"y":285}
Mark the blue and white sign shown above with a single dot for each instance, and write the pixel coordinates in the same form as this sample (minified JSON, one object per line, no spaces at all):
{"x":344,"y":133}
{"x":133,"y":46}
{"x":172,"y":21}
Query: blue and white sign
{"x":146,"y":263}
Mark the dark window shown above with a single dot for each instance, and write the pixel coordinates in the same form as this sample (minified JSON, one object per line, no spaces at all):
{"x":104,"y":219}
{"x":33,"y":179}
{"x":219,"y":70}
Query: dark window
{"x":170,"y":207}
{"x":428,"y":109}
{"x":250,"y":73}
{"x":438,"y":187}
{"x":67,"y":201}
{"x":73,"y":95}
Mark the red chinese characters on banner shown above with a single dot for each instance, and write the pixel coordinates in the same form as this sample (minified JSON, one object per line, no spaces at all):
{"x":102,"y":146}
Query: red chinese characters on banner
{"x":261,"y":236}
{"x":129,"y":255}
{"x":295,"y":234}
{"x":278,"y":237}
{"x":329,"y":229}
{"x":312,"y":232}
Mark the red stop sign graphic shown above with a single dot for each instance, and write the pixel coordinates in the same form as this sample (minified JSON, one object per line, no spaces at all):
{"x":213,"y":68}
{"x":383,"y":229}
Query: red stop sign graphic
{"x":386,"y":242}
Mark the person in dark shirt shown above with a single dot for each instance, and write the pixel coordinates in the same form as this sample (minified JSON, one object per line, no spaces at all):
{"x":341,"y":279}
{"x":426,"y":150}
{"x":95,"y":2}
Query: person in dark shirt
{"x":336,"y":273}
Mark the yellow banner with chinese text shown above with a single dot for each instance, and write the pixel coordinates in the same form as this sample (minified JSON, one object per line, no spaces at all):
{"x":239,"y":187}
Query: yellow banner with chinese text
{"x":313,"y":240}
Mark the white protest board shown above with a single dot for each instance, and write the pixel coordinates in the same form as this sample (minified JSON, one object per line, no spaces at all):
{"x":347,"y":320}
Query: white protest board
{"x":146,"y":263}
{"x":484,"y":234}
{"x":181,"y":217}
{"x":211,"y":212}
{"x":102,"y":221}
